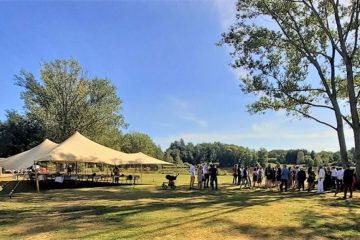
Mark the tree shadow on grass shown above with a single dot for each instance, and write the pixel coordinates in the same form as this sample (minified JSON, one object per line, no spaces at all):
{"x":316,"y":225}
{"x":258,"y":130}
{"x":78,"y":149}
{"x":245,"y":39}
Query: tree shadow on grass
{"x":66,"y":210}
{"x":110,"y":208}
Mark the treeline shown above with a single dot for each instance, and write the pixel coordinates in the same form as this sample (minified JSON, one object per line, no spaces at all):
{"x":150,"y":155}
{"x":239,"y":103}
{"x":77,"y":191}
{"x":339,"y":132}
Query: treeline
{"x":228,"y":154}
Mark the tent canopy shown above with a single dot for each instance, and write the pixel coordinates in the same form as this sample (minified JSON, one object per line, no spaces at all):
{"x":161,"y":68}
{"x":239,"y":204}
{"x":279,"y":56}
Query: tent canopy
{"x":26,"y":159}
{"x":141,"y":158}
{"x":78,"y":148}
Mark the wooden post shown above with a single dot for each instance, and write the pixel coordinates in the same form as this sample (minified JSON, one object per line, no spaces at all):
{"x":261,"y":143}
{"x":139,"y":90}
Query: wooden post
{"x":141,"y":173}
{"x":37,"y":179}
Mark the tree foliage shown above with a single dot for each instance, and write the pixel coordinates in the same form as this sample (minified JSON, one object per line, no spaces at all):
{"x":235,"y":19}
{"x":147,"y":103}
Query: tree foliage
{"x":229,"y":154}
{"x":135,"y":142}
{"x":64,"y":100}
{"x":18,"y":134}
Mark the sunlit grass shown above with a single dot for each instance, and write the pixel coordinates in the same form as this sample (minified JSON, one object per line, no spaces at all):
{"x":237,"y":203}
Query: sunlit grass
{"x":147,"y":212}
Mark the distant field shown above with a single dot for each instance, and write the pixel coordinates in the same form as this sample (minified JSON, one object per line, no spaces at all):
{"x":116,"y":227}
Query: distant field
{"x":147,"y":212}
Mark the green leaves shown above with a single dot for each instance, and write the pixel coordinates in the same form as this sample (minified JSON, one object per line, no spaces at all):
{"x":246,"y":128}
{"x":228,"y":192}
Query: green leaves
{"x":139,"y":142}
{"x":64,"y":100}
{"x":18,"y":134}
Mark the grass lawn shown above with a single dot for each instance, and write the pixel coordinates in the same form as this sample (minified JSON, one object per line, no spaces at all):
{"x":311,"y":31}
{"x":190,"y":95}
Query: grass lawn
{"x":147,"y":212}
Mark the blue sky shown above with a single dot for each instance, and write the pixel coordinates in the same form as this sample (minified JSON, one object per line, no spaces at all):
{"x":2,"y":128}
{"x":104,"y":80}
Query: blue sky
{"x":174,"y":81}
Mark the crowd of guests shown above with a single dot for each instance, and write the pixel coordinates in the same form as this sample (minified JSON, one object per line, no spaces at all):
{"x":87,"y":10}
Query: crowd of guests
{"x":282,"y":178}
{"x":336,"y":178}
{"x":206,"y":174}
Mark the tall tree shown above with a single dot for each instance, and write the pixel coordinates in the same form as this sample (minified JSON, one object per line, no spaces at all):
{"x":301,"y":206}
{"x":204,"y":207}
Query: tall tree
{"x":263,"y":157}
{"x":64,"y":100}
{"x":300,"y":158}
{"x":319,"y":37}
{"x":139,"y":142}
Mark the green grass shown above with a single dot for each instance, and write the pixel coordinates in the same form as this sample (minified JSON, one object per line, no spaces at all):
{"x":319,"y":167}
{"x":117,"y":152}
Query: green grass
{"x":147,"y":212}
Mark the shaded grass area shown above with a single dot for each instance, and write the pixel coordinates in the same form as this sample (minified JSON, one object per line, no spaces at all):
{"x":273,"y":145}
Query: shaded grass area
{"x":147,"y":212}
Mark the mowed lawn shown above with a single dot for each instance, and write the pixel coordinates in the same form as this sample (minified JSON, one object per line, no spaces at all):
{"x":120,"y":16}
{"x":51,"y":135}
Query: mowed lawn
{"x":147,"y":212}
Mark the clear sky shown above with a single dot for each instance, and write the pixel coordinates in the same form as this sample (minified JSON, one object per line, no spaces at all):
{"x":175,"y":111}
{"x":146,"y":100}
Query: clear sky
{"x":174,"y":81}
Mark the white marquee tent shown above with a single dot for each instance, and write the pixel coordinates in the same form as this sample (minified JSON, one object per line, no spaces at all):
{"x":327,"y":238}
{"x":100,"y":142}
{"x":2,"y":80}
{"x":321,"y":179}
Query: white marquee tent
{"x":26,"y":159}
{"x":79,"y":149}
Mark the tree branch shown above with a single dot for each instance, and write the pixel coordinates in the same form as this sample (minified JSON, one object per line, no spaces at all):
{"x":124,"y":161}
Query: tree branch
{"x":314,"y":118}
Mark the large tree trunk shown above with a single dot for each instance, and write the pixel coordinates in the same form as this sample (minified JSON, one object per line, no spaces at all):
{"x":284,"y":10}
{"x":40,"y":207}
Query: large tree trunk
{"x":347,"y":57}
{"x":340,"y":131}
{"x":342,"y":144}
{"x":354,"y":115}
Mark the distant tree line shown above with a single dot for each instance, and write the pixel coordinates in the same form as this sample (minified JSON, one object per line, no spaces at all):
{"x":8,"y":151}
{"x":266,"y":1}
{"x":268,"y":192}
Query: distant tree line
{"x":229,"y":154}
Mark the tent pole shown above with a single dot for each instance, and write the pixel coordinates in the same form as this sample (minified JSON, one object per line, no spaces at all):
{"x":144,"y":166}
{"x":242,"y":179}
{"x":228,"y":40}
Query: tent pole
{"x":141,"y":169}
{"x":37,"y":179}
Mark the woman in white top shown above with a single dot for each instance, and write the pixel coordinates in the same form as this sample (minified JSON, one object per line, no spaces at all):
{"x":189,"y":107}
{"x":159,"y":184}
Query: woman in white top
{"x":321,"y":180}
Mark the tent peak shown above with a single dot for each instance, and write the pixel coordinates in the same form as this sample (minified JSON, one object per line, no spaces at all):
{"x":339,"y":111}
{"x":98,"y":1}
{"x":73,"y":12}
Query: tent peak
{"x":48,"y":141}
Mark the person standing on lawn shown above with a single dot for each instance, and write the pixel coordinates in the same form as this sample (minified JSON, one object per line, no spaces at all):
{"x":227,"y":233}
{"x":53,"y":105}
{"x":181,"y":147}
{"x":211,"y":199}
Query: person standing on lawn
{"x":290,"y":178}
{"x":278,"y":176}
{"x":244,"y":177}
{"x":247,"y":177}
{"x":192,"y":176}
{"x":235,"y":171}
{"x":333,"y":177}
{"x":213,"y":177}
{"x":254,"y":175}
{"x":321,"y":180}
{"x":284,"y":178}
{"x":206,"y":175}
{"x":301,"y":179}
{"x":240,"y":174}
{"x":348,"y":181}
{"x":311,"y":179}
{"x":327,"y":180}
{"x":339,"y":182}
{"x":200,"y":176}
{"x":260,"y":174}
{"x":268,"y":174}
{"x":273,"y":177}
{"x":297,"y":169}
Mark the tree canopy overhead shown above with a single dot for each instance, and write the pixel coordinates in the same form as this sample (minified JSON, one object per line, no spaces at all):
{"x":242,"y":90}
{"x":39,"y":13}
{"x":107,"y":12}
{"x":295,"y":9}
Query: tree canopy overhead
{"x":65,"y":100}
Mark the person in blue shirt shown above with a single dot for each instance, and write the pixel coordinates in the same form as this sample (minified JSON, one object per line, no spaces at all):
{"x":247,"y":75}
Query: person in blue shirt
{"x":284,"y":178}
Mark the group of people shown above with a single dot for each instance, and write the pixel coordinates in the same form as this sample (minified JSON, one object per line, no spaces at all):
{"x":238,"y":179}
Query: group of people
{"x":205,"y":175}
{"x":282,"y":178}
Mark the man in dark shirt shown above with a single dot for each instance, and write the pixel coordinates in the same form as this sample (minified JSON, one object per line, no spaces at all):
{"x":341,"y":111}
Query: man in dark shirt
{"x":213,"y":176}
{"x":348,"y":180}
{"x":301,"y":179}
